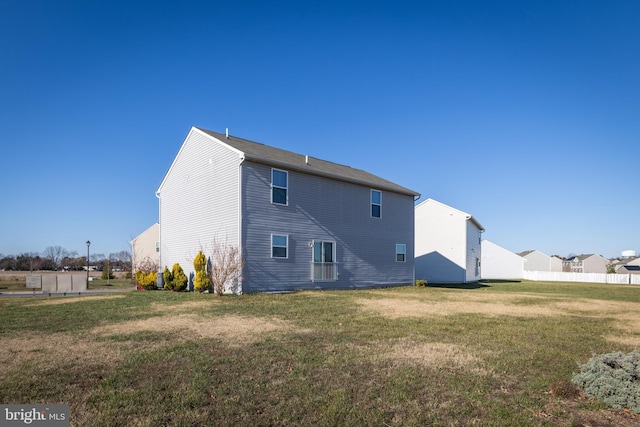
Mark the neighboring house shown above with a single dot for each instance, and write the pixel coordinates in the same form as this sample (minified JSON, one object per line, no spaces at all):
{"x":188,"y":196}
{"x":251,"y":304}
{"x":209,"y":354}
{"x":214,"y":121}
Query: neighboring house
{"x":555,"y":263}
{"x":629,"y":265}
{"x":633,"y":261}
{"x":501,"y":263}
{"x":298,"y":221}
{"x":589,"y":263}
{"x":629,"y":269}
{"x":447,"y":242}
{"x":145,"y":249}
{"x":539,"y":261}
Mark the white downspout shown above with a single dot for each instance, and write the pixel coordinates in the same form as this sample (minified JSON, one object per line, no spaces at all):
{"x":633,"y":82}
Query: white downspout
{"x":240,"y":246}
{"x":159,"y":233}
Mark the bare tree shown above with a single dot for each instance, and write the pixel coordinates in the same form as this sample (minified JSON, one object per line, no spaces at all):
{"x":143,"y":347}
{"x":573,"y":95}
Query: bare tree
{"x":121,"y":259}
{"x":224,"y":266}
{"x":97,"y":257}
{"x":56,"y":254}
{"x":145,"y":264}
{"x":28,"y":261}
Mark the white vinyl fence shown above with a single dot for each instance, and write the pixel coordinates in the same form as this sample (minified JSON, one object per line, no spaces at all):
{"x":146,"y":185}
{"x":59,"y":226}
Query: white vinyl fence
{"x":557,"y":276}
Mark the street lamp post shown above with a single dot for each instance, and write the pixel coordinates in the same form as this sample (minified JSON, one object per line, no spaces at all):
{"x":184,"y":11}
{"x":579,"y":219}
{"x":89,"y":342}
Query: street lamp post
{"x":88,"y":244}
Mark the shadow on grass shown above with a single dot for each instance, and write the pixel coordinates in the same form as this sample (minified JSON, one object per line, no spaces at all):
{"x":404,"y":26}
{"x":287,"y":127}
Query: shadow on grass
{"x":471,"y":285}
{"x":500,"y":281}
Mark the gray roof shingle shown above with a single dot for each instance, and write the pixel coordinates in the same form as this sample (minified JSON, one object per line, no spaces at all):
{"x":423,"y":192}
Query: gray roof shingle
{"x":260,"y":153}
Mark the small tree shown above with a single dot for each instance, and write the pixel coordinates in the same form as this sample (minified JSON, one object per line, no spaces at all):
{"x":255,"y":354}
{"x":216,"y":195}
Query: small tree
{"x":225,"y":266}
{"x":168,"y":278}
{"x":202,"y":282}
{"x":107,"y":273}
{"x":180,"y":280}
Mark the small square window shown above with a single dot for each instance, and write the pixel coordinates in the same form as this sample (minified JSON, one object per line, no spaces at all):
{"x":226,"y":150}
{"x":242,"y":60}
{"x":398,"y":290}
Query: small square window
{"x":279,"y":246}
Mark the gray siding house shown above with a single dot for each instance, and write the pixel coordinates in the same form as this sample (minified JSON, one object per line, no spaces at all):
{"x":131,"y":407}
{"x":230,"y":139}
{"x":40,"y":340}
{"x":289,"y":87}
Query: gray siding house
{"x":299,"y":222}
{"x":539,"y":261}
{"x":589,"y":263}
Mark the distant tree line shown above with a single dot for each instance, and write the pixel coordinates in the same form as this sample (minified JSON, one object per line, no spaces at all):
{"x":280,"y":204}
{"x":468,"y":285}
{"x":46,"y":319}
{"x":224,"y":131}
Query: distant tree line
{"x":56,"y":258}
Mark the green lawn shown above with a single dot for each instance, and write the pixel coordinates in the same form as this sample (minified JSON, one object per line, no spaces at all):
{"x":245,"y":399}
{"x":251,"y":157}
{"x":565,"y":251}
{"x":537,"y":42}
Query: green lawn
{"x":491,"y":354}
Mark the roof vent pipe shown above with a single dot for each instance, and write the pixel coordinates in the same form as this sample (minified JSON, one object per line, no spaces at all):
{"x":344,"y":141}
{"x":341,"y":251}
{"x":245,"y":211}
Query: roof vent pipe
{"x":227,"y":133}
{"x":306,"y":159}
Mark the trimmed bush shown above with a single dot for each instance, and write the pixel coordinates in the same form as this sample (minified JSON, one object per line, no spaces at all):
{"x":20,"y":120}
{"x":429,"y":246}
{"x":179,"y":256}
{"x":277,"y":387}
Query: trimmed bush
{"x":202,"y":282}
{"x":168,"y":278}
{"x":180,"y":279}
{"x":420,"y":282}
{"x":147,"y":280}
{"x":613,"y":378}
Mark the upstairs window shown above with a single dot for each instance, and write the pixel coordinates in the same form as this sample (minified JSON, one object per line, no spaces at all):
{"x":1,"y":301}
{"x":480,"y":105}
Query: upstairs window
{"x":279,"y":186}
{"x":279,"y":246}
{"x":376,"y":204}
{"x":401,"y":252}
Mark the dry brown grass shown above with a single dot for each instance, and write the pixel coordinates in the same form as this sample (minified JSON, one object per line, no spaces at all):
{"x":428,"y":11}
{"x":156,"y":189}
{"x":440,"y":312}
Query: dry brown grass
{"x":70,"y":300}
{"x":188,"y":306}
{"x":234,"y":330}
{"x":626,"y":315}
{"x":58,"y":349}
{"x":495,"y":305}
{"x":400,"y":307}
{"x":436,"y":355}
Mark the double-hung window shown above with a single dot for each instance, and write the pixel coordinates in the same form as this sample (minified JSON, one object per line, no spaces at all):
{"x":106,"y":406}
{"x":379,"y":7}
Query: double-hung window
{"x":279,"y":186}
{"x":401,"y":252}
{"x":376,"y":204}
{"x":279,"y":246}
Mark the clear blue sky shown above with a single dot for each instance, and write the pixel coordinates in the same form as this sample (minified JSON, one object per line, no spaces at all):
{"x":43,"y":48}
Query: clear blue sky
{"x":525,"y":114}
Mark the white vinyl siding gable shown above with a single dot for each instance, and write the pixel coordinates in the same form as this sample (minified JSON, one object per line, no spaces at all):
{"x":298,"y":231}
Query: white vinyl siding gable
{"x":199,"y":201}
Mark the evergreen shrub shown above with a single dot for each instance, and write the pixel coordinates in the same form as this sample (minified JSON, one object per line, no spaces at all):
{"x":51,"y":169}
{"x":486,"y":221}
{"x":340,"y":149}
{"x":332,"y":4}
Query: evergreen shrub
{"x":147,"y":280}
{"x":613,"y":378}
{"x":168,"y":278}
{"x":202,"y":282}
{"x":107,"y":274}
{"x":180,"y":280}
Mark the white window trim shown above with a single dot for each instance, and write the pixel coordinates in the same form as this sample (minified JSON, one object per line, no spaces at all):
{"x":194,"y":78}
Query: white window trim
{"x":286,"y":203}
{"x":271,"y":246}
{"x":371,"y":204}
{"x":405,"y":252}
